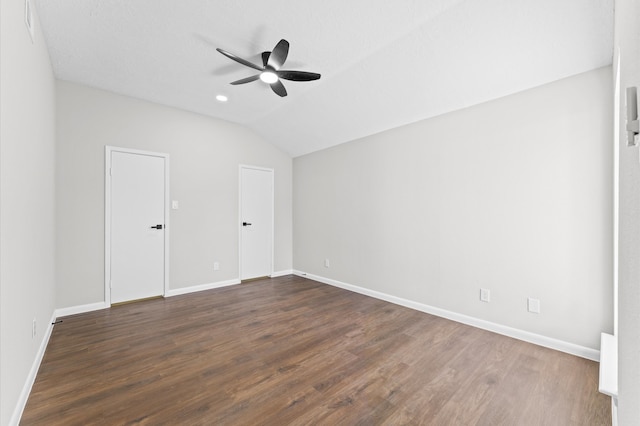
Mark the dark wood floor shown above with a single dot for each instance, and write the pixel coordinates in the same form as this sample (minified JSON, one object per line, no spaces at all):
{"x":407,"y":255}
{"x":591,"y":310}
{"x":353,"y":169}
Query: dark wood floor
{"x":294,"y":351}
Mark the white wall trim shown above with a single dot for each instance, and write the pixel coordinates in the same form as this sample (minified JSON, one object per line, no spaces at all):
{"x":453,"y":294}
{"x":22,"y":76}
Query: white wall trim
{"x":80,"y":309}
{"x":526,"y":336}
{"x":31,"y":378}
{"x":201,"y":287}
{"x":616,"y":187}
{"x":281,"y":273}
{"x":608,"y":378}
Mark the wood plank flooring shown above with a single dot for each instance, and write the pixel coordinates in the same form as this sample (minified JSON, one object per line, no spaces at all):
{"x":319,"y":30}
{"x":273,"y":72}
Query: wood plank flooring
{"x":293,"y":351}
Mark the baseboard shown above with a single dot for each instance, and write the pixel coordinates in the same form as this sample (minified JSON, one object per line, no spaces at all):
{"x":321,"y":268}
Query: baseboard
{"x":526,"y":336}
{"x":80,"y":309}
{"x":31,"y":378}
{"x":282,"y":273}
{"x":73,"y":310}
{"x":201,"y":287}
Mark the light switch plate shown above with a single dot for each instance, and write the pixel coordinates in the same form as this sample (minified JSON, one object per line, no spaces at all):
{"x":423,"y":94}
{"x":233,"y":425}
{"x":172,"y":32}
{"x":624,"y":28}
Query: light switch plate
{"x":533,"y":305}
{"x":485,"y":295}
{"x":175,"y":205}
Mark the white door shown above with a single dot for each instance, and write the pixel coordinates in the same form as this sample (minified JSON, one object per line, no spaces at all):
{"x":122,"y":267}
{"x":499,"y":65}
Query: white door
{"x":137,"y":225}
{"x":256,"y":222}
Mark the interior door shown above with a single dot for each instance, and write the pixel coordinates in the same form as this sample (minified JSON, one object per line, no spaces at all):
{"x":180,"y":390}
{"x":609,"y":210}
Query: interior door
{"x":256,"y":222}
{"x":137,"y":213}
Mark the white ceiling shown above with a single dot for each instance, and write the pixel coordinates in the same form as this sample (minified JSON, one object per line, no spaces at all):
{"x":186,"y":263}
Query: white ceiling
{"x":383,"y":63}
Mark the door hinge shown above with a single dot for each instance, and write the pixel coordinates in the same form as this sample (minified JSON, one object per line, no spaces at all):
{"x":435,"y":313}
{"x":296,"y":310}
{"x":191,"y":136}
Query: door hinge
{"x":110,"y":171}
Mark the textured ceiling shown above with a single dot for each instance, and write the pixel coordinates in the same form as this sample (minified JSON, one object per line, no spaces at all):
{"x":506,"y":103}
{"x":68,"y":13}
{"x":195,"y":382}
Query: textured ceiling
{"x":383,"y":63}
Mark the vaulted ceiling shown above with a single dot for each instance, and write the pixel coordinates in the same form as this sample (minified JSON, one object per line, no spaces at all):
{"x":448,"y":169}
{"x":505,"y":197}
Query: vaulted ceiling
{"x":383,"y":63}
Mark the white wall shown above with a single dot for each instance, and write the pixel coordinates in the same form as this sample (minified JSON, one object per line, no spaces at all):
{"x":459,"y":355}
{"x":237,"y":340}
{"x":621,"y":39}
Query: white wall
{"x":204,"y":157}
{"x":27,"y":131}
{"x":513,"y":195}
{"x":627,"y":40}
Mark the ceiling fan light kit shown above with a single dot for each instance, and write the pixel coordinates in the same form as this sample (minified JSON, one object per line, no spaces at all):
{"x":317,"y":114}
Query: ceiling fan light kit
{"x":268,"y":77}
{"x":270,"y":71}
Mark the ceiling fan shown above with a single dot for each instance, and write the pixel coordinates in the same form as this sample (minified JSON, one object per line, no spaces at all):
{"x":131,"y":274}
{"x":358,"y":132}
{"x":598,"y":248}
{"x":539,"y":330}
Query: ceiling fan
{"x":270,"y":71}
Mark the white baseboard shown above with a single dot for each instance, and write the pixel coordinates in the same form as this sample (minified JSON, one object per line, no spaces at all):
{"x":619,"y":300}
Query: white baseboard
{"x":31,"y":378}
{"x":73,"y":310}
{"x":201,"y":287}
{"x":282,"y":273}
{"x":81,"y":309}
{"x":548,"y":342}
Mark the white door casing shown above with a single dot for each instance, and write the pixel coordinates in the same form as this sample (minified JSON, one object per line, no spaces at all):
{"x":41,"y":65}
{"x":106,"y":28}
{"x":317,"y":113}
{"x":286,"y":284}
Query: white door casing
{"x":136,"y":250}
{"x":256,"y":222}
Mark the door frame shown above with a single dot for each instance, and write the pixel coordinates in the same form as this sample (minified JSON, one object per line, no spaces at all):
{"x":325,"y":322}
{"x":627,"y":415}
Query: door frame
{"x":107,"y":215}
{"x":273,"y":216}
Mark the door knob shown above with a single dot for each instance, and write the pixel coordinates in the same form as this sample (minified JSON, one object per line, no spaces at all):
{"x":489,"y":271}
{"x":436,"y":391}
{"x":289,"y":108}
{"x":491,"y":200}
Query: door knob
{"x":246,"y":224}
{"x":157,"y":227}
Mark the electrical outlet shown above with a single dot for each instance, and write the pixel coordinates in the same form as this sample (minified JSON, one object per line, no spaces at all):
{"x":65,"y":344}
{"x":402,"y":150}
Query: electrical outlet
{"x":533,"y":305}
{"x":33,"y":328}
{"x":326,"y":263}
{"x":485,"y":295}
{"x":216,"y":266}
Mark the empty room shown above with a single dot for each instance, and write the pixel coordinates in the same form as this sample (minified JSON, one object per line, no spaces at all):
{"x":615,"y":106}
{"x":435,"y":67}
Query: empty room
{"x":338,"y":213}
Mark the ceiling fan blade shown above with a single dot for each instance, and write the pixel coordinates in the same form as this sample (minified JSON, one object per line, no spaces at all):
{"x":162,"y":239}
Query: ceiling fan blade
{"x":298,"y":75}
{"x":239,"y":60}
{"x":265,"y":58}
{"x":246,"y":80}
{"x":279,"y":54}
{"x":278,"y":87}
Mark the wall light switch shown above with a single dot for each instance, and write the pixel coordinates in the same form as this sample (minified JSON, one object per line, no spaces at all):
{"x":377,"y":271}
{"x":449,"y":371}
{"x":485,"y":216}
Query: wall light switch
{"x":175,"y":205}
{"x":485,"y":295}
{"x":533,"y":305}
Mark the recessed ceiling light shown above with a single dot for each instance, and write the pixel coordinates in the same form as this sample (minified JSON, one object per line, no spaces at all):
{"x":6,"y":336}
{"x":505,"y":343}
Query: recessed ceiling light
{"x":268,"y":77}
{"x":222,"y":98}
